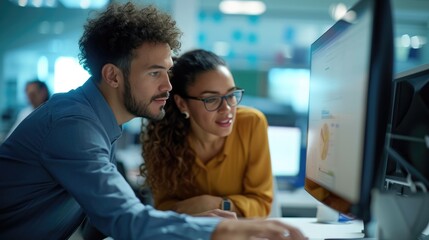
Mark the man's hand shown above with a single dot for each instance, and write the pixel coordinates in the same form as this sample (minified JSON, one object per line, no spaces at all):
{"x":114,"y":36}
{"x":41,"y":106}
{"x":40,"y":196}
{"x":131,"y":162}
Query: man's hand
{"x":256,"y":229}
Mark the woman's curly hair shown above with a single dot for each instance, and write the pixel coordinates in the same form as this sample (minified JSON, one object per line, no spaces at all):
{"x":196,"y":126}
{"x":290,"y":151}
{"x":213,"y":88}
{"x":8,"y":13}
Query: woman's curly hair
{"x":113,"y":36}
{"x":168,"y":157}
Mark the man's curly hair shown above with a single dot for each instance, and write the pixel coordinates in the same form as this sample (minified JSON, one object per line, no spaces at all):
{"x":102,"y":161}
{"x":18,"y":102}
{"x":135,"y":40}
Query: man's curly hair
{"x":113,"y":36}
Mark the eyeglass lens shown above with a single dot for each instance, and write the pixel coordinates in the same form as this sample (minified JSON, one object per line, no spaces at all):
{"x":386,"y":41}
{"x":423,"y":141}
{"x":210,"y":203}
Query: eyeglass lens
{"x":214,"y":103}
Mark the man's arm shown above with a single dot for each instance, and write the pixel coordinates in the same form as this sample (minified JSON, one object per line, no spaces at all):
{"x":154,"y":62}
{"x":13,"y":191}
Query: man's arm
{"x":78,"y":157}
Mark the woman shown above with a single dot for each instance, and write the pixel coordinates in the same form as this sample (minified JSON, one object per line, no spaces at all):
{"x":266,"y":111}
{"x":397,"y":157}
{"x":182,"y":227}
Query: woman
{"x":207,"y":153}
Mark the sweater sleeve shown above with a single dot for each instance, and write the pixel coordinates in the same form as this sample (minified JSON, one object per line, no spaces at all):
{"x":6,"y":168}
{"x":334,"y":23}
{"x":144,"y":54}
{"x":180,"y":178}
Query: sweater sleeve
{"x":163,"y":200}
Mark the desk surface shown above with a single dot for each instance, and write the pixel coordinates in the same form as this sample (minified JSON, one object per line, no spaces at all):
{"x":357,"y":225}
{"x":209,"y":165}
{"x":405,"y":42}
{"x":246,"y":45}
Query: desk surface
{"x":318,"y":231}
{"x":315,"y":231}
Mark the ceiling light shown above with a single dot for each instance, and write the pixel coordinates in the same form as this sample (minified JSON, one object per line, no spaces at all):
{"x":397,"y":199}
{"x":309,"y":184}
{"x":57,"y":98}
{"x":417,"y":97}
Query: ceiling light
{"x":337,"y":11}
{"x":85,"y":4}
{"x":405,"y":40}
{"x":35,"y":3}
{"x":242,"y":7}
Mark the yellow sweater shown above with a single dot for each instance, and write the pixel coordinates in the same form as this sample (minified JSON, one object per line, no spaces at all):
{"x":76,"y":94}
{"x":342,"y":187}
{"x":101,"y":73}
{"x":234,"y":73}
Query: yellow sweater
{"x":242,"y":172}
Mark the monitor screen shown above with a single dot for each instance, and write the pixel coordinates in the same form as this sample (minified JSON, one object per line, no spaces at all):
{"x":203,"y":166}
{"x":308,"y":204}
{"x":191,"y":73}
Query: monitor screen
{"x":409,"y":128}
{"x":349,"y":99}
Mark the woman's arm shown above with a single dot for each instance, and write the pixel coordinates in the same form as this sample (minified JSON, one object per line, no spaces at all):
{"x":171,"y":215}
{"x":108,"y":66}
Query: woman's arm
{"x":257,"y":195}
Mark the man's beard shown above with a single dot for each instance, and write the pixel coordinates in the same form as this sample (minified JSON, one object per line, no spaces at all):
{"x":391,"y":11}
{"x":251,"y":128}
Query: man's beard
{"x":141,"y":110}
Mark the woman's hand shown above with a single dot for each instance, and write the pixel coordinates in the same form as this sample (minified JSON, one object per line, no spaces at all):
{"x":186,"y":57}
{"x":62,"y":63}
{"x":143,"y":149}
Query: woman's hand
{"x":217,"y":213}
{"x":198,"y":204}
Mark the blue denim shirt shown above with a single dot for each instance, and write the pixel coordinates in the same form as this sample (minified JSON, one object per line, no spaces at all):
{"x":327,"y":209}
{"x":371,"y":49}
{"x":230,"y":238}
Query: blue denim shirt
{"x":58,"y":166}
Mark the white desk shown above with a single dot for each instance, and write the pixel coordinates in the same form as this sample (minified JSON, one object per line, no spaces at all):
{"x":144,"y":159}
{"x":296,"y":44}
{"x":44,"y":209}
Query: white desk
{"x":316,"y":231}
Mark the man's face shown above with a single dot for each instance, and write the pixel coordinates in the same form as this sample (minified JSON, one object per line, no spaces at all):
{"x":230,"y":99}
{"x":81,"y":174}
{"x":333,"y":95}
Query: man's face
{"x":147,"y":87}
{"x":36,"y":96}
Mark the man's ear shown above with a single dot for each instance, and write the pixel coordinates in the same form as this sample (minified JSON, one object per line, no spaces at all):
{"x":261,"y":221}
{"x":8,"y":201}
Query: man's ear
{"x":111,"y":75}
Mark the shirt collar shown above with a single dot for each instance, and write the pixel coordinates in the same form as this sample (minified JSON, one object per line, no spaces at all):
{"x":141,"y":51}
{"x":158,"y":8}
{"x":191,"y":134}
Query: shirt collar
{"x":102,"y":109}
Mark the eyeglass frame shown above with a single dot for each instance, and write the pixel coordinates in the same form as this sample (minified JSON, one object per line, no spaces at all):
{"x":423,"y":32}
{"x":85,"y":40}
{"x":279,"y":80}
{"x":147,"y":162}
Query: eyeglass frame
{"x":224,"y":97}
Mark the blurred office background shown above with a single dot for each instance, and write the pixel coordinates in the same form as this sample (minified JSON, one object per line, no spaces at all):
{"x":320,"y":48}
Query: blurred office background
{"x":267,"y":49}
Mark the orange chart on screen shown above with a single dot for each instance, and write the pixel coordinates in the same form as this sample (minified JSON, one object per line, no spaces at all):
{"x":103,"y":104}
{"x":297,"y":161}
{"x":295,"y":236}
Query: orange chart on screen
{"x":324,"y":141}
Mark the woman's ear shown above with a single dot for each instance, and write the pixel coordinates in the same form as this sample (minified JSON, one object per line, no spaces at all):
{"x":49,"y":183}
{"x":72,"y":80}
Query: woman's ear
{"x":111,"y":75}
{"x":180,"y":102}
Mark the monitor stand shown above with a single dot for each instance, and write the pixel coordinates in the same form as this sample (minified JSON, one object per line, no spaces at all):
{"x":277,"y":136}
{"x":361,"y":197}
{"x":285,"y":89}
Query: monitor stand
{"x":326,"y":215}
{"x":397,"y":217}
{"x":400,"y":217}
{"x":365,"y":237}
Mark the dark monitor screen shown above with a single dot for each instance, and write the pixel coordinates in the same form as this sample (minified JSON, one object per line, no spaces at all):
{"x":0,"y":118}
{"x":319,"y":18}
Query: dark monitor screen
{"x":349,"y":100}
{"x":409,"y":128}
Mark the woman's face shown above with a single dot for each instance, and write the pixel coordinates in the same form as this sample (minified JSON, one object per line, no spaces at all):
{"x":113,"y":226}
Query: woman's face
{"x":217,"y":82}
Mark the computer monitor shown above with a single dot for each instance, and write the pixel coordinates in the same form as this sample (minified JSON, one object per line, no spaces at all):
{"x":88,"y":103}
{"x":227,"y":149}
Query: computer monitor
{"x":351,"y":72}
{"x":285,"y":143}
{"x":401,"y":207}
{"x":409,"y":132}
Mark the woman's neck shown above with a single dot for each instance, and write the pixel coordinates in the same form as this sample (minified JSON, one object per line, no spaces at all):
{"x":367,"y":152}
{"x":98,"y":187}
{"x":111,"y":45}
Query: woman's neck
{"x":206,"y":146}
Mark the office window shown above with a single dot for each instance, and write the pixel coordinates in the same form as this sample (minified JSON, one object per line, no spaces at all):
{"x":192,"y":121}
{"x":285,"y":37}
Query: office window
{"x":69,"y":74}
{"x":290,"y":86}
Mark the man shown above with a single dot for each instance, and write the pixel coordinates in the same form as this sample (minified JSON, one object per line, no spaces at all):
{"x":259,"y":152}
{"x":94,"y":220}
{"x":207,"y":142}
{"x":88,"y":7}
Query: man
{"x":37,"y":92}
{"x":58,"y":166}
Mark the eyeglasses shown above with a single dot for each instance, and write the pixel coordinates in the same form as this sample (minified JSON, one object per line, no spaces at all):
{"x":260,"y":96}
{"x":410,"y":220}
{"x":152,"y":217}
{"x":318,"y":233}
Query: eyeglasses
{"x":214,"y":103}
